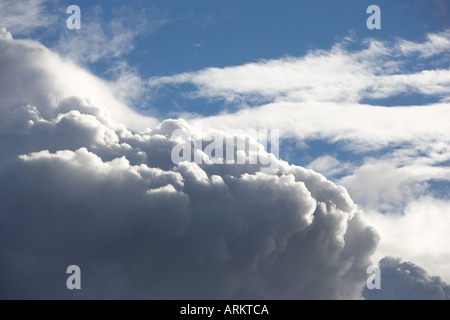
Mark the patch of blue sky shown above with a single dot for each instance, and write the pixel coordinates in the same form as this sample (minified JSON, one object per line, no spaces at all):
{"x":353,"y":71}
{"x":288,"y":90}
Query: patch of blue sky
{"x":403,"y":99}
{"x":194,"y":35}
{"x":439,"y":189}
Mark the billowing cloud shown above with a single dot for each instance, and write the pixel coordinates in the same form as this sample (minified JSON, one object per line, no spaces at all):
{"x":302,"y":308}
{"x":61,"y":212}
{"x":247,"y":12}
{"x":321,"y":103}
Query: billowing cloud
{"x":379,"y":115}
{"x":86,"y":180}
{"x":39,"y":77}
{"x":407,"y":281}
{"x":78,"y":187}
{"x":139,"y":232}
{"x":105,"y":36}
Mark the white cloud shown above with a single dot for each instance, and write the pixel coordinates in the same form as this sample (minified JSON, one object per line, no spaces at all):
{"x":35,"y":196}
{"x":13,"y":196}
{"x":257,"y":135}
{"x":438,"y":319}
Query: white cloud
{"x":110,"y":40}
{"x":329,"y":166}
{"x":39,"y":77}
{"x":25,"y":16}
{"x":419,"y":234}
{"x":358,"y":127}
{"x":336,"y":75}
{"x":435,"y":44}
{"x":100,"y":38}
{"x":380,"y":184}
{"x":5,"y":33}
{"x":111,"y":199}
{"x":128,"y":86}
{"x":396,"y":153}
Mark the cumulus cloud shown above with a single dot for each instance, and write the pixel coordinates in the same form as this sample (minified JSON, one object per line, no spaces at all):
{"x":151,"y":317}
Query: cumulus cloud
{"x":39,"y":77}
{"x":139,"y":231}
{"x":77,"y":186}
{"x":106,"y":36}
{"x":85,"y":180}
{"x":407,"y":281}
{"x":387,"y":156}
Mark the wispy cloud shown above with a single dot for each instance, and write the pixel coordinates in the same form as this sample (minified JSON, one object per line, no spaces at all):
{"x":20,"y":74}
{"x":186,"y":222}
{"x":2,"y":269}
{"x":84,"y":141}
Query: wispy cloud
{"x":101,"y":38}
{"x":23,"y":17}
{"x":337,"y":75}
{"x":434,"y":45}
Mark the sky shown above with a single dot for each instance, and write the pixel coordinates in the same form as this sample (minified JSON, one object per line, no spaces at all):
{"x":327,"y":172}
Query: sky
{"x":356,"y":171}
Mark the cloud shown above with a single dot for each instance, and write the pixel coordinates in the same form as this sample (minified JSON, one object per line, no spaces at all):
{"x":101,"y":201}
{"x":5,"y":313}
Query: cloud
{"x":435,"y":44}
{"x":386,"y":152}
{"x":103,"y":39}
{"x":419,"y":233}
{"x":99,"y":39}
{"x":338,"y":75}
{"x":357,"y":127}
{"x":407,"y":281}
{"x":39,"y":77}
{"x":329,"y":166}
{"x":79,"y":187}
{"x":395,"y":151}
{"x":143,"y":232}
{"x":128,"y":86}
{"x":85,"y":180}
{"x":379,"y":184}
{"x":23,"y":17}
{"x":111,"y":40}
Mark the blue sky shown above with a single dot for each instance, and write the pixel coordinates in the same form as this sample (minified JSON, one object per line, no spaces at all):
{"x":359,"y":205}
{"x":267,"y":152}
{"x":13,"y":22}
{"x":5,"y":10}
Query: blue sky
{"x":368,"y":109}
{"x":201,"y":34}
{"x":197,"y":34}
{"x":190,"y":36}
{"x":172,"y":37}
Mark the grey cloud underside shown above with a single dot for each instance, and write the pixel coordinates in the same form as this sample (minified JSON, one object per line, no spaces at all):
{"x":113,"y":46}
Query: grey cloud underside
{"x":407,"y":281}
{"x":78,"y":188}
{"x":138,"y":231}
